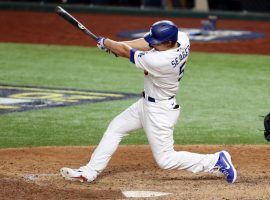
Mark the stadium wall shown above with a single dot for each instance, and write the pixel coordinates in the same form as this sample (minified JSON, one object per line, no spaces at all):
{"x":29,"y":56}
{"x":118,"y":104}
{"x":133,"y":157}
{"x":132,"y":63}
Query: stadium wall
{"x":135,"y":11}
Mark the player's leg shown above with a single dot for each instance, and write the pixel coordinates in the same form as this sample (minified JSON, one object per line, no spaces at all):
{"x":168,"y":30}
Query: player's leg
{"x":119,"y":127}
{"x":158,"y":124}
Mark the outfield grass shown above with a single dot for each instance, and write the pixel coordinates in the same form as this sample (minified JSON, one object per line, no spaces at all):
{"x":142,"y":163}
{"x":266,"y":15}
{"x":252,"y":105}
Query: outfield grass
{"x":222,"y":96}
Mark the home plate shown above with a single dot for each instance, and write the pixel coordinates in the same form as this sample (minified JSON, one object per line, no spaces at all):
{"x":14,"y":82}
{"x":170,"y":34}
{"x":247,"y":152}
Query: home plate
{"x":137,"y":194}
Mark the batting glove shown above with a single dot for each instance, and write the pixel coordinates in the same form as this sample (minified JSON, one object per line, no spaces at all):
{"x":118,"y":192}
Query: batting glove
{"x":101,"y":46}
{"x":100,"y":42}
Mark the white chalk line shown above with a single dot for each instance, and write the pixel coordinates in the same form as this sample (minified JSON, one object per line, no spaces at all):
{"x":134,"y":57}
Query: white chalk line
{"x":144,"y":194}
{"x":35,"y":177}
{"x":128,"y":194}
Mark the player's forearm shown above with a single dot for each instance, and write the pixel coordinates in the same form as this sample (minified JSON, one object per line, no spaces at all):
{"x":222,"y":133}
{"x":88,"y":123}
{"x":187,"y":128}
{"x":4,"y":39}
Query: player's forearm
{"x":119,"y":48}
{"x":139,"y":44}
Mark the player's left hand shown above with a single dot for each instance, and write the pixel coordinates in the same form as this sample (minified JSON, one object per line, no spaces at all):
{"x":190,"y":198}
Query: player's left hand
{"x":100,"y":42}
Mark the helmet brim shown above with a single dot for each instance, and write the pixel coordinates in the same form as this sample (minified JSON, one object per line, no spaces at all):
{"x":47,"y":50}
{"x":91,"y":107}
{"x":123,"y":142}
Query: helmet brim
{"x":149,"y":38}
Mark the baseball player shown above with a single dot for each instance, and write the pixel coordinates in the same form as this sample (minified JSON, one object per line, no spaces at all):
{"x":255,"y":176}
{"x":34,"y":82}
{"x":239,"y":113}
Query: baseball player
{"x":162,"y":54}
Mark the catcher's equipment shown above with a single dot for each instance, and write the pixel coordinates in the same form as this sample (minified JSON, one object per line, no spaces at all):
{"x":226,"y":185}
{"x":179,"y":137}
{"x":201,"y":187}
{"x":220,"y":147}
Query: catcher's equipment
{"x":267,"y":127}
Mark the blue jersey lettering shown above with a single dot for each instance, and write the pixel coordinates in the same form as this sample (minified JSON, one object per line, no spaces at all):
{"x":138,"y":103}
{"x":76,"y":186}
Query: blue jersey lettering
{"x":181,"y":56}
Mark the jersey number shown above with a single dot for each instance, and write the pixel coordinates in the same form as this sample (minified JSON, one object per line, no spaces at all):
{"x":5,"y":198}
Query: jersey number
{"x":181,"y":71}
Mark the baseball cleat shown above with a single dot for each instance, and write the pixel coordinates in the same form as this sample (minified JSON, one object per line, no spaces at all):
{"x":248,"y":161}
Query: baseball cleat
{"x":225,"y":166}
{"x":73,"y":174}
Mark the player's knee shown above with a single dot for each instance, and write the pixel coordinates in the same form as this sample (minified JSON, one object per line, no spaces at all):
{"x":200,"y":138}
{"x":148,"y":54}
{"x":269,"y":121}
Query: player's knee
{"x":113,"y":129}
{"x":116,"y":127}
{"x":163,"y":162}
{"x":114,"y":134}
{"x":166,"y":161}
{"x":162,"y":165}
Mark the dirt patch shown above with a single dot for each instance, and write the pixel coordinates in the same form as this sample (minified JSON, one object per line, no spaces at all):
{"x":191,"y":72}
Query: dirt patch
{"x":33,"y":173}
{"x":49,"y":28}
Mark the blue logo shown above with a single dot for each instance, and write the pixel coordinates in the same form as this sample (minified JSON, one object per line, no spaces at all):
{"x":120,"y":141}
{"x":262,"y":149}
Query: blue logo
{"x":141,"y":54}
{"x":202,"y":35}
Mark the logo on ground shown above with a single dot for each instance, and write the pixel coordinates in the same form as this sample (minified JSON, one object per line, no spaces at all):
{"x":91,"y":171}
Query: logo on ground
{"x":208,"y":32}
{"x":202,"y":35}
{"x":24,"y":98}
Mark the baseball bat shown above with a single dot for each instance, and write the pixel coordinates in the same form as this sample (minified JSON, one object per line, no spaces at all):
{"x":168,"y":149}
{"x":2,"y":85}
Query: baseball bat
{"x":72,"y":20}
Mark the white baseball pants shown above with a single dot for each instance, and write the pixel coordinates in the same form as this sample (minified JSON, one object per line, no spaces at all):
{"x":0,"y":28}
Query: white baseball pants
{"x":158,"y":120}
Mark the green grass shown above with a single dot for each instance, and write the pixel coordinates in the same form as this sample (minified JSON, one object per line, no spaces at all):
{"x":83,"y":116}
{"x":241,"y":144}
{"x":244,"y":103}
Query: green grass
{"x":222,"y":96}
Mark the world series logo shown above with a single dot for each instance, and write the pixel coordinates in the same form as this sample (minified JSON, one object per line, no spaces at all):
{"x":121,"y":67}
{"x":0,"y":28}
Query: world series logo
{"x":24,"y":98}
{"x":200,"y":35}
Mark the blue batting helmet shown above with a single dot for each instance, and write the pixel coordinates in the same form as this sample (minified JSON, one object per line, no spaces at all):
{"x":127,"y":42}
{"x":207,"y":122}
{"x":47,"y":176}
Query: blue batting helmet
{"x":162,"y":31}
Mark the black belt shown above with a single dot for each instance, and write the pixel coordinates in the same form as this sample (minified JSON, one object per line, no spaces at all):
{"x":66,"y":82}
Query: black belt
{"x":151,"y":99}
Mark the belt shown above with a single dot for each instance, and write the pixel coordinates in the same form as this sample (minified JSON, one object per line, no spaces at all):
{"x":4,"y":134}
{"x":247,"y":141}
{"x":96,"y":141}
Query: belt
{"x":151,"y":99}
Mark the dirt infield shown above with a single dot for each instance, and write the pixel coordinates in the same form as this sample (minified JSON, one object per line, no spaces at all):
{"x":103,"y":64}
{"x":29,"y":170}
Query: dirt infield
{"x":49,"y":28}
{"x":32,"y":173}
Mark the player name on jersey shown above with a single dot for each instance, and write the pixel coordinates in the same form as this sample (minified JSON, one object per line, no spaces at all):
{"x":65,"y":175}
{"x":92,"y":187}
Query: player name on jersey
{"x":24,"y":98}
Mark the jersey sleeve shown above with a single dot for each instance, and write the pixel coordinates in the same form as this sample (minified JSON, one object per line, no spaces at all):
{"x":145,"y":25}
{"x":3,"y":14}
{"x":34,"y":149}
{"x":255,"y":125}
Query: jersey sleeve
{"x":183,"y":39}
{"x":144,"y":60}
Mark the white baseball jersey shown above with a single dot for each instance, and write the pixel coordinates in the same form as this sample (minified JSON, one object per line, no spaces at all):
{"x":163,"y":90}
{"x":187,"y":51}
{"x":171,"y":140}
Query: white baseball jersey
{"x":164,"y":69}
